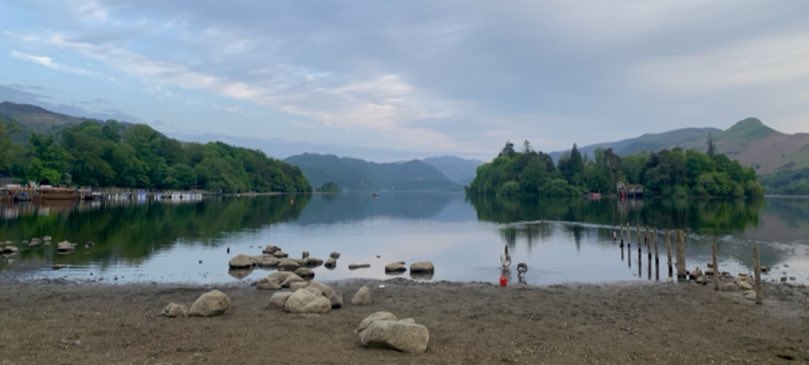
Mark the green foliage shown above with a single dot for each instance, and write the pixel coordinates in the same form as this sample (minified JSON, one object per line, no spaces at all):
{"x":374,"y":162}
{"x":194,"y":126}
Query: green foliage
{"x":329,"y":187}
{"x":673,"y":173}
{"x":787,"y":182}
{"x":110,"y":153}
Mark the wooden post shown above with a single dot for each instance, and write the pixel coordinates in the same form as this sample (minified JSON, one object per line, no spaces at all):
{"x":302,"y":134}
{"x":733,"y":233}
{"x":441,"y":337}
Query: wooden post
{"x":657,"y":257}
{"x":757,"y":272}
{"x":681,"y":264}
{"x":640,"y":264}
{"x":714,"y":252}
{"x":648,"y":248}
{"x":668,"y":251}
{"x":640,"y":242}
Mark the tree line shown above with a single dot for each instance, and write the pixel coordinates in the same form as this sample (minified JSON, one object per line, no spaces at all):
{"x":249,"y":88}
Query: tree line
{"x":114,"y":154}
{"x":675,"y":172}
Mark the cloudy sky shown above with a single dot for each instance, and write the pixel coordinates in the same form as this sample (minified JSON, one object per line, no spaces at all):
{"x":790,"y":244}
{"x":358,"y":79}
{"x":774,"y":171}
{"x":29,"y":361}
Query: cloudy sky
{"x":397,"y":79}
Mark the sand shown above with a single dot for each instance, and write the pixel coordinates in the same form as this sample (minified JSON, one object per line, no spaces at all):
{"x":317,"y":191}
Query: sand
{"x":57,"y":322}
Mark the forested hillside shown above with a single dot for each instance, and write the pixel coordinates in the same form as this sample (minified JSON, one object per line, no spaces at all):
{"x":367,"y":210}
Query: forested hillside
{"x":675,"y":172}
{"x":103,"y":154}
{"x":356,"y":174}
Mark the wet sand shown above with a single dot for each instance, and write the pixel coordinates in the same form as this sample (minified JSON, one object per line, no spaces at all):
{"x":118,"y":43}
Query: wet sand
{"x":57,"y":322}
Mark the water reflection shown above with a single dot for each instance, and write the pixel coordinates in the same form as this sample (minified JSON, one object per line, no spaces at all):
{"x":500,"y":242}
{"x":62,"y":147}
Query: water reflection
{"x":701,"y":216}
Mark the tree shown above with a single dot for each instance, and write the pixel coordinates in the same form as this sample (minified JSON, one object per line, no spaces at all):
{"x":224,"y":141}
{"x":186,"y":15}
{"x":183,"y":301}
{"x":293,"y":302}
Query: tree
{"x":711,"y":147}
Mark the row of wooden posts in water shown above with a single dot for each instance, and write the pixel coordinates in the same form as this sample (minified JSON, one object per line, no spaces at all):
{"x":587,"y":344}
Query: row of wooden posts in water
{"x":651,"y":243}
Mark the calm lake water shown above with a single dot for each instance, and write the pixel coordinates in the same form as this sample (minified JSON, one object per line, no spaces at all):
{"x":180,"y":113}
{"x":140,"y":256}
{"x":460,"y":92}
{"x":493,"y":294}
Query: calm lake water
{"x":561,"y":240}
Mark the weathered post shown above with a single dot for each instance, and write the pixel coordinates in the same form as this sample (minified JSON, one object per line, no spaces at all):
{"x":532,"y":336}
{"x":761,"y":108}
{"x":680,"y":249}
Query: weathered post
{"x":714,"y":252}
{"x":657,"y":257}
{"x":681,"y":265}
{"x":757,"y":272}
{"x":668,"y":251}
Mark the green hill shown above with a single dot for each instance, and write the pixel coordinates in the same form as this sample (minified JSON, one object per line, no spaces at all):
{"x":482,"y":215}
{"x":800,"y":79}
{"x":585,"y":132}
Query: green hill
{"x":356,"y":174}
{"x":459,"y":170}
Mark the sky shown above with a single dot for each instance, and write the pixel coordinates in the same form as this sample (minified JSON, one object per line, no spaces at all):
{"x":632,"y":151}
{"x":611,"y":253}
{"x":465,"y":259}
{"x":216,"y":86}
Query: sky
{"x":388,"y":80}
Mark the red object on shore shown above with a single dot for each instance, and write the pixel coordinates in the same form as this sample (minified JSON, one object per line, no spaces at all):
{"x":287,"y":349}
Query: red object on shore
{"x":503,"y":281}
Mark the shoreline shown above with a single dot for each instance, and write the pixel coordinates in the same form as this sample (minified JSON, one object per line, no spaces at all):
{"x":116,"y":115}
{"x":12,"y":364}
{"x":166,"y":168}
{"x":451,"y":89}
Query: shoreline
{"x":62,"y":321}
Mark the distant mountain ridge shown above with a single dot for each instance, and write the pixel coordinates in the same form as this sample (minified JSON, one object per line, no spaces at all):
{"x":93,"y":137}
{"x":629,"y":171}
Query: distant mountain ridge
{"x":355,"y":174}
{"x":749,"y":141}
{"x":459,"y":170}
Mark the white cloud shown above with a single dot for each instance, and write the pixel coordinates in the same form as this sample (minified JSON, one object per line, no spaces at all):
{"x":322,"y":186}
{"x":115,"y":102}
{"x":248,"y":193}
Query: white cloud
{"x":53,"y":65}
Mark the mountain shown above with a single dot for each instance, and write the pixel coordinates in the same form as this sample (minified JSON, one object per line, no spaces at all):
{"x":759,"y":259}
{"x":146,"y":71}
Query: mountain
{"x":36,"y":119}
{"x":459,"y":170}
{"x":749,"y":141}
{"x":356,"y":174}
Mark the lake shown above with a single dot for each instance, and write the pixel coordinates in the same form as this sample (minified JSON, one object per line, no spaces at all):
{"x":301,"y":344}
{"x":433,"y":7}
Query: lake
{"x":561,"y":240}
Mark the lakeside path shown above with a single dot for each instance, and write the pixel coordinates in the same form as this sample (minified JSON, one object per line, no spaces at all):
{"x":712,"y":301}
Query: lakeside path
{"x":57,"y":322}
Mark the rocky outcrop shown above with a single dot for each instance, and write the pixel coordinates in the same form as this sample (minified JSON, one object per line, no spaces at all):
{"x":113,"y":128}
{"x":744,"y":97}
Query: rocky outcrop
{"x":210,"y":304}
{"x":242,"y":262}
{"x":383,"y":329}
{"x":362,"y":297}
{"x":175,"y":310}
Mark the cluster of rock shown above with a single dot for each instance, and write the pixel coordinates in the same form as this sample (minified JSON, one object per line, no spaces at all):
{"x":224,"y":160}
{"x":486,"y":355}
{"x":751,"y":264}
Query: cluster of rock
{"x":727,"y":282}
{"x":383,"y":329}
{"x":9,"y":248}
{"x":210,"y":304}
{"x":273,"y":257}
{"x":421,"y":269}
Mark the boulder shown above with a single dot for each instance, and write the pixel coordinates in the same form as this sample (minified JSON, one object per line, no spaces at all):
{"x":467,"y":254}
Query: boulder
{"x":291,"y":279}
{"x":270,"y":249}
{"x":362,"y":297}
{"x":395,"y":267}
{"x":268,"y":283}
{"x":335,"y":255}
{"x":422,"y":267}
{"x":35,"y":242}
{"x":279,"y":299}
{"x":358,"y":266}
{"x":744,"y":285}
{"x":242,"y":262}
{"x":402,"y":335}
{"x":266,"y":261}
{"x":65,"y":246}
{"x":175,"y":310}
{"x":377,"y":316}
{"x":288,"y":265}
{"x":324,"y":289}
{"x":280,"y":254}
{"x":696,"y":273}
{"x":10,"y":250}
{"x":298,"y":285}
{"x":307,"y":301}
{"x":305,"y":273}
{"x":312,"y":262}
{"x":336,"y":300}
{"x":330,"y":263}
{"x":210,"y":304}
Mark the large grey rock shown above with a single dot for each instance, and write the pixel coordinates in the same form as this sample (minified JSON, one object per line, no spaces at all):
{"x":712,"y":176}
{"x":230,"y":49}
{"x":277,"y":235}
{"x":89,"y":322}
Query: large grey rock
{"x":305,"y":273}
{"x":377,"y":316}
{"x":175,"y":310}
{"x":267,"y":284}
{"x":330,"y":263}
{"x":279,"y":299}
{"x":288,"y":265}
{"x":10,"y":250}
{"x":335,"y":255}
{"x":270,"y":249}
{"x":280,"y":254}
{"x":266,"y":261}
{"x":292,"y":278}
{"x":395,"y":267}
{"x":312,"y":262}
{"x":402,"y":335}
{"x":65,"y":246}
{"x":362,"y":297}
{"x":210,"y":304}
{"x":422,"y":267}
{"x":307,"y":301}
{"x":242,"y":262}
